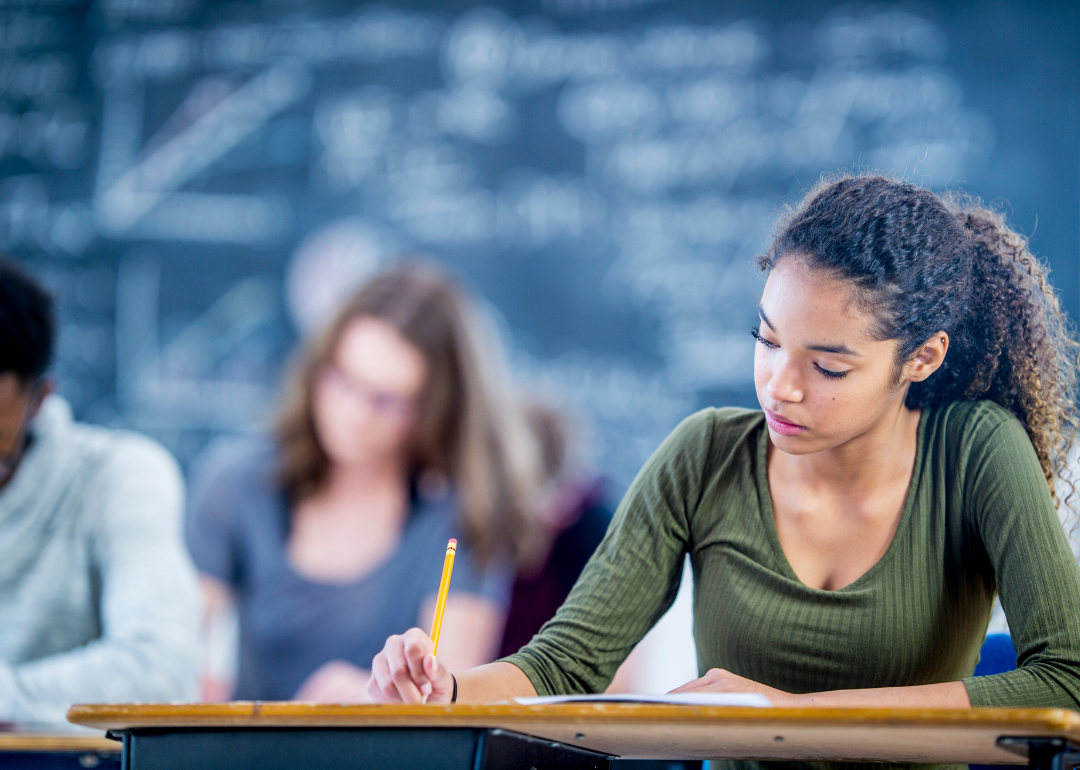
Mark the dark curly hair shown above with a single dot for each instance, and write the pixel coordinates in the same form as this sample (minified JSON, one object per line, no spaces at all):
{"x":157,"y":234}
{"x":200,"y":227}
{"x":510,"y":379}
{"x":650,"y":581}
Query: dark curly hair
{"x":27,"y":323}
{"x":923,"y":263}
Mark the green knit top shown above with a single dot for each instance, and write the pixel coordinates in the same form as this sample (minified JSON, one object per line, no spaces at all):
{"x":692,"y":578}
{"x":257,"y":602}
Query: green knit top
{"x":978,"y":519}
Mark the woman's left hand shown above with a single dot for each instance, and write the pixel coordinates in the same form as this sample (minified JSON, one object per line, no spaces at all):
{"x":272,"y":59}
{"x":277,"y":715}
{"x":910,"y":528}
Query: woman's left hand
{"x":335,"y":682}
{"x":720,"y":680}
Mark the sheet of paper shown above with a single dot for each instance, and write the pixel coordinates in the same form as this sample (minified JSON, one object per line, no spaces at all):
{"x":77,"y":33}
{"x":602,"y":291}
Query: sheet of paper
{"x":682,"y":699}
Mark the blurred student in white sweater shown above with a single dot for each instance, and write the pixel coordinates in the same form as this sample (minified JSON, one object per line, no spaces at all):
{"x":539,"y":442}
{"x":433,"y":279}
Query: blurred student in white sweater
{"x":98,"y":598}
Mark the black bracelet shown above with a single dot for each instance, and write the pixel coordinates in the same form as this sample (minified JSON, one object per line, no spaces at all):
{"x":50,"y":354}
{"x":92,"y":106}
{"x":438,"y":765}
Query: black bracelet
{"x":453,"y":698}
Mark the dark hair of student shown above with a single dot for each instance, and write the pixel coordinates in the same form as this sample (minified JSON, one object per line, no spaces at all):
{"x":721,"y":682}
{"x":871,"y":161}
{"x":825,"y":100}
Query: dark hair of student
{"x":469,"y":432}
{"x":27,"y":323}
{"x":923,"y":263}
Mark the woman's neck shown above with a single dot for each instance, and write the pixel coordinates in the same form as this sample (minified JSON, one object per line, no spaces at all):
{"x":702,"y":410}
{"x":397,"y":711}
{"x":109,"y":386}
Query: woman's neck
{"x":351,"y":525}
{"x":360,"y":486}
{"x":869,"y":460}
{"x":837,"y":510}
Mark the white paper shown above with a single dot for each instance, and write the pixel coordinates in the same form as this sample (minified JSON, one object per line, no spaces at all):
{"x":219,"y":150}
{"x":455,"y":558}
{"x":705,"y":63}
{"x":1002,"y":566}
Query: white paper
{"x":756,"y":700}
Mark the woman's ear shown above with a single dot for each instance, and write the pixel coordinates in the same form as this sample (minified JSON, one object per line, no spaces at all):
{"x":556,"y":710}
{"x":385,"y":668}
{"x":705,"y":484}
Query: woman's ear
{"x":928,"y":358}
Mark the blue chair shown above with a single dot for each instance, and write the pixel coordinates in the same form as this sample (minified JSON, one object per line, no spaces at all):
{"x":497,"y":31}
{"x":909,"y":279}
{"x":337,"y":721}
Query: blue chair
{"x":997,"y":656}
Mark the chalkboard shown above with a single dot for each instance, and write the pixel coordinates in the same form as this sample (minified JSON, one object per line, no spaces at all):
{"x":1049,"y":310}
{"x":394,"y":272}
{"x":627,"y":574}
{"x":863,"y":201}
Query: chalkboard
{"x":199,"y":181}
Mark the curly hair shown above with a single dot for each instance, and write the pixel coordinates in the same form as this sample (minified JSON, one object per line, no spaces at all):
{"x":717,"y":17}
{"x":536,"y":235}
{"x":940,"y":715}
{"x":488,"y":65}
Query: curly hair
{"x":923,"y":263}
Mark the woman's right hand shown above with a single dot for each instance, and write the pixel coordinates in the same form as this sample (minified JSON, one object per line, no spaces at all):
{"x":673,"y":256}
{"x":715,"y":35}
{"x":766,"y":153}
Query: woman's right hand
{"x":406,"y":671}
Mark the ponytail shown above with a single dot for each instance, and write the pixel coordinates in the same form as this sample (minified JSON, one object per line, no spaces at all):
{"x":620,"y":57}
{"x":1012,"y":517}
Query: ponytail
{"x":1026,"y":358}
{"x":923,"y":264}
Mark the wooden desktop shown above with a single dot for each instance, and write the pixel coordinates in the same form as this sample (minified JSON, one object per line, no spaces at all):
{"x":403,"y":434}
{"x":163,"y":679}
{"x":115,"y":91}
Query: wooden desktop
{"x":229,"y":736}
{"x":29,"y":749}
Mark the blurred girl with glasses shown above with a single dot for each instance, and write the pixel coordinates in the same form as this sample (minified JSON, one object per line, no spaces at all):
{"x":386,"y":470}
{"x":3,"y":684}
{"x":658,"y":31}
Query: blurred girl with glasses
{"x":396,"y":433}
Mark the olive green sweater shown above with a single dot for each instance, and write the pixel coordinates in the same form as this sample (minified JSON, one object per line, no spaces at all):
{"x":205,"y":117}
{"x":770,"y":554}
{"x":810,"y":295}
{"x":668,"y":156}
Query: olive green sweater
{"x":978,"y":519}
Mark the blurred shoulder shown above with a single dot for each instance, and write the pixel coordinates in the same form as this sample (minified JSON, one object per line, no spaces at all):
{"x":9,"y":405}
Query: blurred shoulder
{"x":127,"y":479}
{"x":248,"y":461}
{"x":111,"y":452}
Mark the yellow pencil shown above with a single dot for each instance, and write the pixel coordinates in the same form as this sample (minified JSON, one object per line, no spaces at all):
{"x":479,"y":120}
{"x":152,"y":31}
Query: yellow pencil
{"x":444,"y":588}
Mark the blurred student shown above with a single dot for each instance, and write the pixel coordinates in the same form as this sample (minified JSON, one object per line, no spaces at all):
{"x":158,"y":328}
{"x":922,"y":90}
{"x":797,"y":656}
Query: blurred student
{"x":571,"y":517}
{"x":98,"y":599}
{"x":395,"y":435}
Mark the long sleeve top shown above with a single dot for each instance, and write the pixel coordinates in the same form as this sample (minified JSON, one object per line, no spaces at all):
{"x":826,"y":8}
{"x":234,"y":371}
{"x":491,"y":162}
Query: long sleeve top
{"x":98,"y":598}
{"x":978,"y":519}
{"x":237,"y":528}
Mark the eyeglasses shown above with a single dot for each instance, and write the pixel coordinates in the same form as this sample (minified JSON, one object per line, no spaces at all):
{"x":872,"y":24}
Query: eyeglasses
{"x":383,"y":403}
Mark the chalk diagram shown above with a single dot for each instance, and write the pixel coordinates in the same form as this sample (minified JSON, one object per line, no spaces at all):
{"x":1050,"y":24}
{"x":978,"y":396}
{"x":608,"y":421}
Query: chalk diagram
{"x":623,"y":174}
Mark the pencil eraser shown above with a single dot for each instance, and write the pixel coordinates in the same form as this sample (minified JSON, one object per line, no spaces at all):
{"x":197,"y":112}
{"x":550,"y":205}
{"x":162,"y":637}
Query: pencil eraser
{"x":453,"y":542}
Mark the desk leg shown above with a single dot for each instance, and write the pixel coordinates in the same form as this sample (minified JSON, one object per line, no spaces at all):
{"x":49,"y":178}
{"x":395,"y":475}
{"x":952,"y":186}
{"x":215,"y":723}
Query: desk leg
{"x":505,"y":750}
{"x":1042,"y":753}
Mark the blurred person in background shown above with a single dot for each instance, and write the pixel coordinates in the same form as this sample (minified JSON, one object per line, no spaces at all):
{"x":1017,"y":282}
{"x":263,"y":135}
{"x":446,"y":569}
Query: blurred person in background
{"x":98,"y":598}
{"x":395,"y":435}
{"x":571,"y":517}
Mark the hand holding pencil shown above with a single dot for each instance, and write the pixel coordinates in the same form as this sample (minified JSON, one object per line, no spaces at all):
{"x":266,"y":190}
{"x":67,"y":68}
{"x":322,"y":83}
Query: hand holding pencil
{"x":407,"y":671}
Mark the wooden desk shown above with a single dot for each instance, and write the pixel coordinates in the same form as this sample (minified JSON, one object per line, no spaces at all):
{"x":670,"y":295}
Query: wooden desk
{"x":32,"y":750}
{"x":285,"y":735}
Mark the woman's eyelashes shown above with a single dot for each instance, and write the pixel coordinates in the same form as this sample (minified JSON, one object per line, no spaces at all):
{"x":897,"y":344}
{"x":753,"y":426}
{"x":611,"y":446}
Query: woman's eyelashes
{"x":756,"y":333}
{"x":827,"y":373}
{"x":830,"y":374}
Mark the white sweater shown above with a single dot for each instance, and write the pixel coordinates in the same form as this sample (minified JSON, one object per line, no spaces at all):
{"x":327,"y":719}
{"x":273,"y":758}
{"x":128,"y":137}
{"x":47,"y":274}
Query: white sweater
{"x":98,"y":598}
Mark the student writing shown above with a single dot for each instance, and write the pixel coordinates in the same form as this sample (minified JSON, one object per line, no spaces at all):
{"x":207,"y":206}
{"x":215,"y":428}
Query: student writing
{"x":917,"y":388}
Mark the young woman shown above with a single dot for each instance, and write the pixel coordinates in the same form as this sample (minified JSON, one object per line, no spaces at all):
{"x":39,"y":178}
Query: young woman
{"x":395,"y":436}
{"x":917,"y":391}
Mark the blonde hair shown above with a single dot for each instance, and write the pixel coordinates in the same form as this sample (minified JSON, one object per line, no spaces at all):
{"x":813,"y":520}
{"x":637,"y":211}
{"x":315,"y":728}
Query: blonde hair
{"x":469,"y":430}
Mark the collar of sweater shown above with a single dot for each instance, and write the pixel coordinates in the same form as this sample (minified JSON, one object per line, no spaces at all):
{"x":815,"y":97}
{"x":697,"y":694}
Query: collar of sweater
{"x":50,"y":457}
